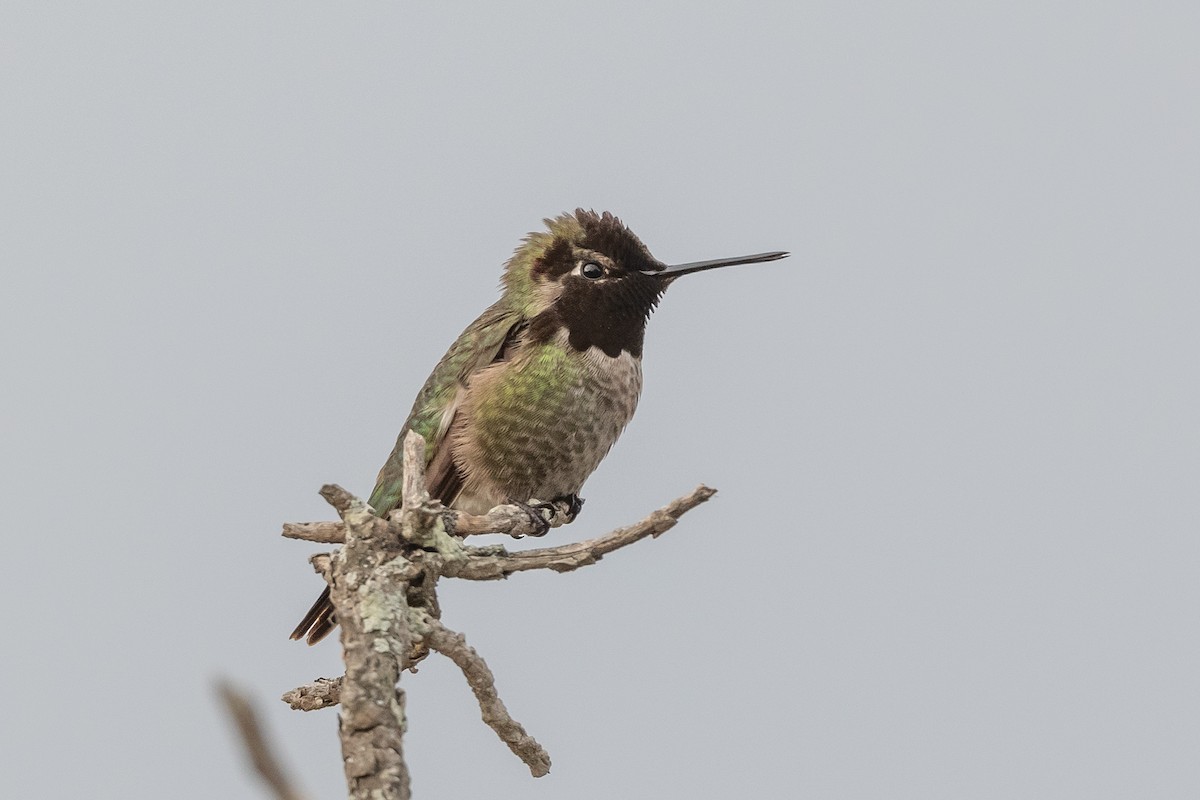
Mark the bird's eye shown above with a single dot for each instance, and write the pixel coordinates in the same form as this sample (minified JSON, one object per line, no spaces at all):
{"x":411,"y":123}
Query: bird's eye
{"x":591,"y":270}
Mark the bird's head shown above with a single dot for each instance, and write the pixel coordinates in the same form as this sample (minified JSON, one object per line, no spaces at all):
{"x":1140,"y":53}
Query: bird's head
{"x":591,"y":277}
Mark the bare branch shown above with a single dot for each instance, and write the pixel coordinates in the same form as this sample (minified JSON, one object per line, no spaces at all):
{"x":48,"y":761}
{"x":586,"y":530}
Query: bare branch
{"x":265,"y":762}
{"x":454,"y":646}
{"x":493,"y":563}
{"x":320,"y":532}
{"x":414,"y":491}
{"x":321,"y":693}
{"x":507,"y":519}
{"x":339,"y":498}
{"x":422,"y":520}
{"x":368,"y":593}
{"x":510,"y":519}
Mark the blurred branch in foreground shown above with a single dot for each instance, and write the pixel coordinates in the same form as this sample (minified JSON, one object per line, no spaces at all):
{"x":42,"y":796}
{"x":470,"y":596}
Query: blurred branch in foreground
{"x":254,"y":740}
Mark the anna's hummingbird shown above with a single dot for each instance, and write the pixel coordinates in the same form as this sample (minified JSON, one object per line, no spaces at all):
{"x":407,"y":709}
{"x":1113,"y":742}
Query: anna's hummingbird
{"x":534,"y":393}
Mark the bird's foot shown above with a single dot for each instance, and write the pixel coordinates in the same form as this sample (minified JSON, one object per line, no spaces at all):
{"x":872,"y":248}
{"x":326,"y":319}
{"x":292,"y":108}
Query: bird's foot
{"x":541,"y":525}
{"x":565,"y":507}
{"x":573,"y":502}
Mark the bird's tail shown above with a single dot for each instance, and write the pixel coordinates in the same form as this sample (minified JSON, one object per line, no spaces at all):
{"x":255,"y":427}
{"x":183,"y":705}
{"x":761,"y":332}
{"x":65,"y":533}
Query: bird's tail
{"x":319,"y":620}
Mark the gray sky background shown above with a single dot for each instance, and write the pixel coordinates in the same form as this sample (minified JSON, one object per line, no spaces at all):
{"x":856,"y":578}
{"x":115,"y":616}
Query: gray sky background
{"x":954,"y":553}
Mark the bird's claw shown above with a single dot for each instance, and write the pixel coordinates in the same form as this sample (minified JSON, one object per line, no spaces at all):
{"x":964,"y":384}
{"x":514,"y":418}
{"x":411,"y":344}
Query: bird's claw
{"x":574,"y":505}
{"x":540,"y":523}
{"x":573,"y":502}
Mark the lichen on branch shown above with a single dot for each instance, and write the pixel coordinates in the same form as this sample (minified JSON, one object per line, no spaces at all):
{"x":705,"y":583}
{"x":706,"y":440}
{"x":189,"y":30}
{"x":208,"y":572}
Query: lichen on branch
{"x":383,"y":585}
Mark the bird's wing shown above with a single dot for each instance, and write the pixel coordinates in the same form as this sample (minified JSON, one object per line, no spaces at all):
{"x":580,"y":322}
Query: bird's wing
{"x":486,"y":340}
{"x":490,"y":338}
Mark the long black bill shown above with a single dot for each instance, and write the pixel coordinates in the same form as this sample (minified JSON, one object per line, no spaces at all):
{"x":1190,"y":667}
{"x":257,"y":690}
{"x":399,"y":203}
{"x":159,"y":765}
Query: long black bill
{"x":699,"y":266}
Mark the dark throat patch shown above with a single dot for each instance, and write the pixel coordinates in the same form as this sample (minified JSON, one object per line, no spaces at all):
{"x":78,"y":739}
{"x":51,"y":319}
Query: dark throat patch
{"x":610,"y":315}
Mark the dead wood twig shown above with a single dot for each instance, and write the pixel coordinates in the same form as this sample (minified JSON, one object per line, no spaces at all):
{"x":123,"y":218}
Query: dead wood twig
{"x":383,"y":584}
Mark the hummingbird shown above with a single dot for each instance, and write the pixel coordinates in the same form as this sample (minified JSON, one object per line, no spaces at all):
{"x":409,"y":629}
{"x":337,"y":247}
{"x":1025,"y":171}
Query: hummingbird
{"x":530,"y":398}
